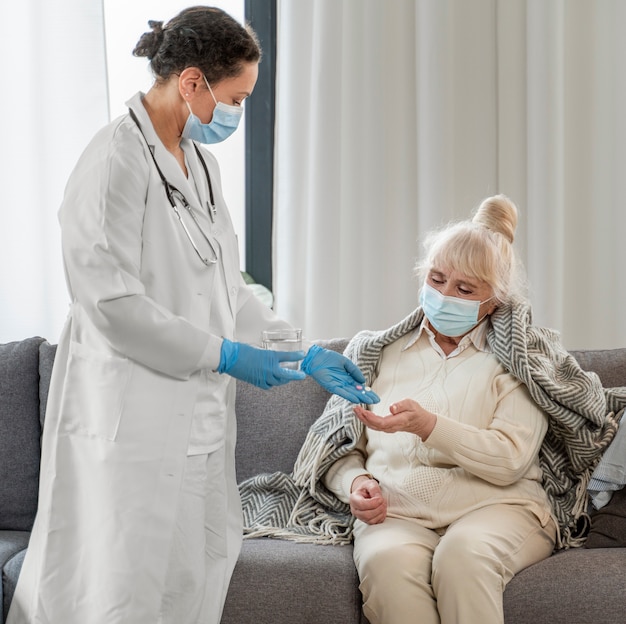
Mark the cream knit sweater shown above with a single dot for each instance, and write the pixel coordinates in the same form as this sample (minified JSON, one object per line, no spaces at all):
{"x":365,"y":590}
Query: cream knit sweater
{"x":482,"y":451}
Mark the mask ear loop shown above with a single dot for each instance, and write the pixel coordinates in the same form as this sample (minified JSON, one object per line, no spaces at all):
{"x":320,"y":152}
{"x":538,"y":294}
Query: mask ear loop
{"x":484,"y":316}
{"x":206,"y":82}
{"x":209,"y":88}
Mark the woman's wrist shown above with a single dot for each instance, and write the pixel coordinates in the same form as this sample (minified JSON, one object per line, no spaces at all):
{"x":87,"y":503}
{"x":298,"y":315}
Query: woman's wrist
{"x":365,"y":475}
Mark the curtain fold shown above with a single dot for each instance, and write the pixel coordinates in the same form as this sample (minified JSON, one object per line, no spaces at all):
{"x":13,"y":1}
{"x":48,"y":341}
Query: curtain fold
{"x":54,"y":100}
{"x":394,"y":117}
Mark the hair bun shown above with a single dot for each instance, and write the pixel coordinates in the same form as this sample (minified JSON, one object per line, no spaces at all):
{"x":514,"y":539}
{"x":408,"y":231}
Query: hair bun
{"x":498,"y":214}
{"x":150,"y":42}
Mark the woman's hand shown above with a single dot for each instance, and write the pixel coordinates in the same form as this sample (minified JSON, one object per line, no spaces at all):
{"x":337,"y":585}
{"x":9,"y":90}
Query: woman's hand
{"x":366,"y":500}
{"x":406,"y":415}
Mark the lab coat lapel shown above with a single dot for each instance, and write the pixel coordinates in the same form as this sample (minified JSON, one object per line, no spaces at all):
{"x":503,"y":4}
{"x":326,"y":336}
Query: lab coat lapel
{"x":220,"y":227}
{"x":196,"y":171}
{"x":167,"y":162}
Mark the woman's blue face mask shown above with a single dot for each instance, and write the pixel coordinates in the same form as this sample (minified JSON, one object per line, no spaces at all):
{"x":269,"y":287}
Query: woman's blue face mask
{"x":450,"y":316}
{"x":223,"y":123}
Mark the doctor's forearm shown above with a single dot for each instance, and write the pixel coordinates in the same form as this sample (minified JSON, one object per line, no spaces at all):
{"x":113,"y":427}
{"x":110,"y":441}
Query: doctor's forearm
{"x":143,"y":331}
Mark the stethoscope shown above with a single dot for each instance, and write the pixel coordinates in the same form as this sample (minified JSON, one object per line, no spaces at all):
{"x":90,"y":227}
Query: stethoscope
{"x":172,"y":192}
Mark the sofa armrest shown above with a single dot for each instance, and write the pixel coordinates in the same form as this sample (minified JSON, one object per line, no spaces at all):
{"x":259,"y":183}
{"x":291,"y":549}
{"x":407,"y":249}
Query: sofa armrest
{"x":20,"y":433}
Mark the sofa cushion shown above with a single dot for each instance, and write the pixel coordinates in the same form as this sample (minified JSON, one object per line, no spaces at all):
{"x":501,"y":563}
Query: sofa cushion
{"x":608,"y":524}
{"x":20,"y":433}
{"x":10,"y":574}
{"x":282,"y":582}
{"x":11,"y":543}
{"x":262,"y":415}
{"x":575,"y":586}
{"x":291,"y":408}
{"x":609,"y":364}
{"x":47,"y":352}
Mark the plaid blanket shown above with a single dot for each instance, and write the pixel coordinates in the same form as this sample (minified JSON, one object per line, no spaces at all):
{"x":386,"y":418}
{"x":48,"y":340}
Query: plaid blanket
{"x":583,"y":419}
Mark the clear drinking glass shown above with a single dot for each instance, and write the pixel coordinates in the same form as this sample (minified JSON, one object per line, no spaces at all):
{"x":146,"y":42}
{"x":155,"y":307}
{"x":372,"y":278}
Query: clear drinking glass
{"x":283,"y":340}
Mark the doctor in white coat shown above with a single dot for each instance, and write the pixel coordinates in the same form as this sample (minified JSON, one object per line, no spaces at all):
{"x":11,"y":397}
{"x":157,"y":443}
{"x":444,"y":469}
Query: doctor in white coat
{"x":139,"y":518}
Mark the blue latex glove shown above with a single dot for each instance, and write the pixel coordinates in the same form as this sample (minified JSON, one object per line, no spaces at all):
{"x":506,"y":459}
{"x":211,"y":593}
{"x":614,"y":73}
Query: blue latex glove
{"x":337,"y":374}
{"x":260,"y":367}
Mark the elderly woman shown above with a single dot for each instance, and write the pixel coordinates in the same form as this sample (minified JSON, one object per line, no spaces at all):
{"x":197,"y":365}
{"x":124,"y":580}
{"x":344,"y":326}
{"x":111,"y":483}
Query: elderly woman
{"x":446,"y":484}
{"x":474,"y":464}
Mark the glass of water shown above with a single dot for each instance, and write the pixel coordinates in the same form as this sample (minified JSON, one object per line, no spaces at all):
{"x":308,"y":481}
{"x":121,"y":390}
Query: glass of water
{"x":286,"y":339}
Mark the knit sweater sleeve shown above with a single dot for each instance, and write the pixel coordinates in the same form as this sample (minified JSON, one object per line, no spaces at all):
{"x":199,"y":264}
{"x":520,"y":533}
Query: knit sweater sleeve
{"x":339,"y":477}
{"x":503,"y":452}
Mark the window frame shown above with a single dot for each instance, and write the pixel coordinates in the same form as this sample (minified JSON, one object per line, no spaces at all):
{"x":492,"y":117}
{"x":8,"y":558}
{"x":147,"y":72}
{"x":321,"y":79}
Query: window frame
{"x":259,"y":146}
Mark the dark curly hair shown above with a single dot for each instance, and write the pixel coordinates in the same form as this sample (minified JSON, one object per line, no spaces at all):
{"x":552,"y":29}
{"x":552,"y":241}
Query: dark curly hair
{"x":203,"y":37}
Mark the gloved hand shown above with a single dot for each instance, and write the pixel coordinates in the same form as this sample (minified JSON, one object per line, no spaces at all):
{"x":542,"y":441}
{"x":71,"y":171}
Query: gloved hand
{"x":260,"y":367}
{"x":337,"y":374}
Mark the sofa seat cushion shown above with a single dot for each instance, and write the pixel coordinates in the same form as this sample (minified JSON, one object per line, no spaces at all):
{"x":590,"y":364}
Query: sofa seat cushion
{"x":10,"y":575}
{"x":284,"y":582}
{"x":573,"y":586}
{"x":12,"y":549}
{"x":12,"y":542}
{"x":608,"y":524}
{"x":20,"y":433}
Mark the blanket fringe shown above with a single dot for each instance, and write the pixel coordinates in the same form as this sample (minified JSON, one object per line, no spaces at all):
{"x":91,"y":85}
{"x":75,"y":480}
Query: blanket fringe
{"x":301,"y":538}
{"x":308,"y":461}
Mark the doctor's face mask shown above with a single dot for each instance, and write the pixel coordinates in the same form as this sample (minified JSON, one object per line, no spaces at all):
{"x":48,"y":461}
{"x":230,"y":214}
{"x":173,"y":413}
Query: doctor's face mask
{"x":223,"y":123}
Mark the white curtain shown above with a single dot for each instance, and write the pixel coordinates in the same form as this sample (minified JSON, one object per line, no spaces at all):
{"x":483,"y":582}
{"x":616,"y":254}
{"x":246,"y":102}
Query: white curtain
{"x":53,"y":100}
{"x":396,"y":116}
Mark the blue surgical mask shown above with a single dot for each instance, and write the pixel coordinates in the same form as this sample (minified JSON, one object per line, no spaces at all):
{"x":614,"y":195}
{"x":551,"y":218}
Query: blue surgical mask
{"x":450,"y":316}
{"x":224,"y":122}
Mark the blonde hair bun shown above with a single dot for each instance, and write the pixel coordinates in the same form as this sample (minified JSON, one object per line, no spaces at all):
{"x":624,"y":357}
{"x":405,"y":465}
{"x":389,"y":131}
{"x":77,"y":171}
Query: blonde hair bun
{"x":481,"y":247}
{"x":498,"y":214}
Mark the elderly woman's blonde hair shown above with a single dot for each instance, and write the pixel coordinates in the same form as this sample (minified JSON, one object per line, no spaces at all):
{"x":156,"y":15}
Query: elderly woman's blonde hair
{"x":481,"y":248}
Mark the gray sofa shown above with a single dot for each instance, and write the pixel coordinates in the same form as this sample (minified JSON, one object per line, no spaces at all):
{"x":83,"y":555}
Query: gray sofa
{"x":278,"y":581}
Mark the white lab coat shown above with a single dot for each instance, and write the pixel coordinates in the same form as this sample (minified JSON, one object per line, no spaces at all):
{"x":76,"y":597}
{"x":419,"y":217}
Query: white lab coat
{"x":125,"y":380}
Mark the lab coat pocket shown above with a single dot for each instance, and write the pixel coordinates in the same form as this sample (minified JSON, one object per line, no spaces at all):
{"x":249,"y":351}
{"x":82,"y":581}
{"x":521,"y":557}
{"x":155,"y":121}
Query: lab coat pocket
{"x":207,"y":433}
{"x":95,"y":384}
{"x":208,"y":424}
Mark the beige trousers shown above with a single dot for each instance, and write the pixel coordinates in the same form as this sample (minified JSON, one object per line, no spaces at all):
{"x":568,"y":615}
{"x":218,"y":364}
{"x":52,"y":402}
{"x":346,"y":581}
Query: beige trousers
{"x":411,"y":574}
